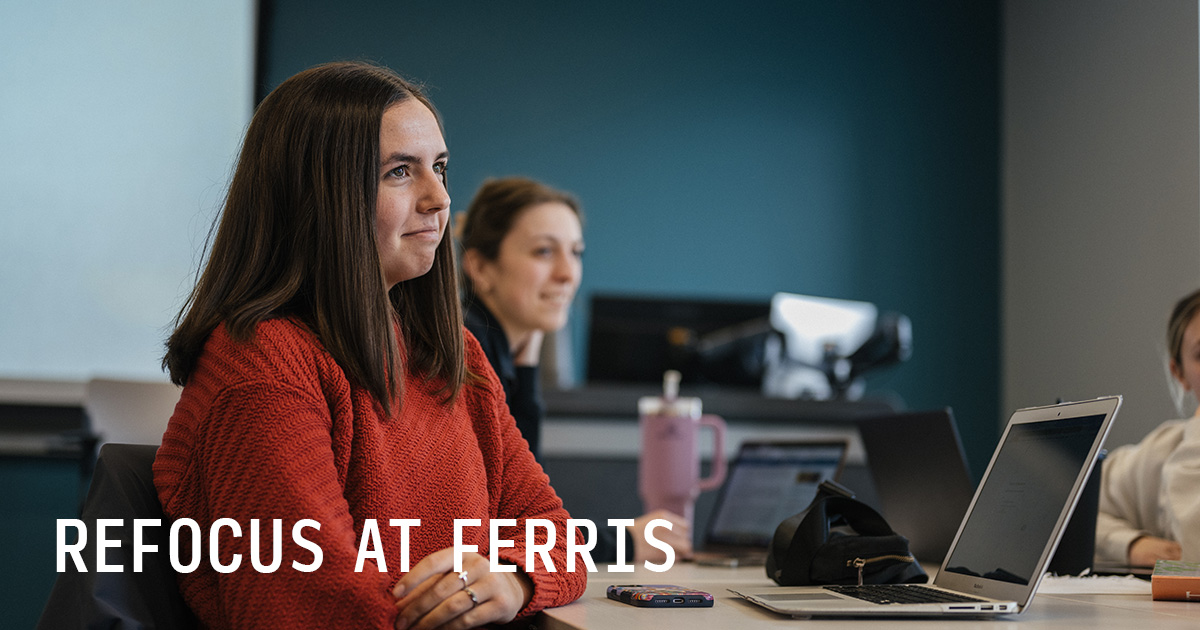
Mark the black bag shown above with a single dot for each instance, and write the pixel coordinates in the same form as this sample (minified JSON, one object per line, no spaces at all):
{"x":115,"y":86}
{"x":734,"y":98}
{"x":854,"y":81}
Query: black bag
{"x":840,"y":540}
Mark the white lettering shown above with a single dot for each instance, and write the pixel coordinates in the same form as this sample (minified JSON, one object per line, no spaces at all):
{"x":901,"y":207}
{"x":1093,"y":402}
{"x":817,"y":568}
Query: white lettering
{"x":585,"y":550}
{"x":459,"y":547}
{"x":214,"y":544}
{"x":405,"y":524}
{"x":496,"y":542}
{"x":660,"y":545}
{"x":103,"y":543}
{"x":298,"y":537}
{"x":174,"y":545}
{"x":139,"y":547}
{"x":276,"y":546}
{"x":532,"y":547}
{"x":621,"y":566}
{"x":370,"y":536}
{"x":73,"y":550}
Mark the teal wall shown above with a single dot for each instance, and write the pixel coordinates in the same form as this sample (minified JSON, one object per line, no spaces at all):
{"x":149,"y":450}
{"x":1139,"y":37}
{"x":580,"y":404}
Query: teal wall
{"x":730,"y":150}
{"x":34,"y":492}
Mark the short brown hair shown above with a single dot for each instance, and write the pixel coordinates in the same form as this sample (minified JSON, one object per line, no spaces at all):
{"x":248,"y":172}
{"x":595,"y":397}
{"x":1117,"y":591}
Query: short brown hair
{"x":297,"y":238}
{"x":1185,"y":309}
{"x":495,"y":208}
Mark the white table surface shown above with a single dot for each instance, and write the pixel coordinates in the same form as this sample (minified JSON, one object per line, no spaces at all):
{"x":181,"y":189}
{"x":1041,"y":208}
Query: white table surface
{"x":1059,"y":610}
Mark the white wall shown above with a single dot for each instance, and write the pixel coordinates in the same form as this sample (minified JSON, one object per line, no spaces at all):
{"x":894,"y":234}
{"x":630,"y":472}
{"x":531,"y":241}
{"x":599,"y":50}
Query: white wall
{"x":1101,"y":199}
{"x":119,"y":124}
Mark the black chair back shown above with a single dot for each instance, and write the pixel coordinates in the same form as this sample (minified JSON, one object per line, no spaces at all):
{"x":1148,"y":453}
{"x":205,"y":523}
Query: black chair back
{"x":122,"y":488}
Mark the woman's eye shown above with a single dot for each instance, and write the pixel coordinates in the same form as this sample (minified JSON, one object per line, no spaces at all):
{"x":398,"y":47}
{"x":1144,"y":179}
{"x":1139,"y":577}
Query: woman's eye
{"x":578,"y":253}
{"x":440,"y":168}
{"x":399,"y":171}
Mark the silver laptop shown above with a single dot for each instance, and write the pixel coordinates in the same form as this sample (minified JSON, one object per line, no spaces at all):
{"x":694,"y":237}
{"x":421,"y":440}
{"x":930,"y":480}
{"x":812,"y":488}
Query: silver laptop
{"x":1008,"y":535}
{"x":767,"y":482}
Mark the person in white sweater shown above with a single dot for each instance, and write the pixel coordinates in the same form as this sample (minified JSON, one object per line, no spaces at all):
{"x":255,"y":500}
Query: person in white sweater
{"x":1150,"y":496}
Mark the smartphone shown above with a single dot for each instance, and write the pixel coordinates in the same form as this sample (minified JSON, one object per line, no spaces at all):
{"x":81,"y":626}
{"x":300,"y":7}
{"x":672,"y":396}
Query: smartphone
{"x":659,"y":596}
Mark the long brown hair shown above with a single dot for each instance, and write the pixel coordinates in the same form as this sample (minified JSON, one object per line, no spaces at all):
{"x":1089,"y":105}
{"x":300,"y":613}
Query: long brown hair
{"x":297,"y":239}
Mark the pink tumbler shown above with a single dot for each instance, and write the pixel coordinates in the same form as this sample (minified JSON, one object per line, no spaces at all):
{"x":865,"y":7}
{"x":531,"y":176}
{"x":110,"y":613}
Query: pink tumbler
{"x":669,"y":466}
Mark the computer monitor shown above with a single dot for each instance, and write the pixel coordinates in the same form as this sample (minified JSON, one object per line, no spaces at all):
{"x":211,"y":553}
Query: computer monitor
{"x":635,"y":339}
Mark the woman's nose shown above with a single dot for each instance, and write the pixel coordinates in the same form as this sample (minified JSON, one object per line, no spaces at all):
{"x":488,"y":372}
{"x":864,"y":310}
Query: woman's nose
{"x":567,"y":268}
{"x":434,"y":197}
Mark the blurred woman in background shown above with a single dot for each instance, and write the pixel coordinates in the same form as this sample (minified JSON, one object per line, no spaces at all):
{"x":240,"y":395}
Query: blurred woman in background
{"x":522,"y":259}
{"x":1150,"y":494}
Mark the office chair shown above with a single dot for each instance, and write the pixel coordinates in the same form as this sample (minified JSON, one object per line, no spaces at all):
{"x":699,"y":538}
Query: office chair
{"x":122,"y":488}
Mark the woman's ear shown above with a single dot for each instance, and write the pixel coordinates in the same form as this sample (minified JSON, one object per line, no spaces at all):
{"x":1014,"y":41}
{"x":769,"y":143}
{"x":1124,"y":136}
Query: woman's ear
{"x":473,"y":264}
{"x":1178,"y":374}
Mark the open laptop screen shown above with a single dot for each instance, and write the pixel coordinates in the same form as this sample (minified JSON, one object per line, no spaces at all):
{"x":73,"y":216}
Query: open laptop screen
{"x":1022,"y":499}
{"x":767,"y":483}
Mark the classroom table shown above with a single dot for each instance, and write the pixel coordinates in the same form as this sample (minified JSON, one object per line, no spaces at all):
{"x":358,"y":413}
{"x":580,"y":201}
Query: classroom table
{"x":1058,"y":610}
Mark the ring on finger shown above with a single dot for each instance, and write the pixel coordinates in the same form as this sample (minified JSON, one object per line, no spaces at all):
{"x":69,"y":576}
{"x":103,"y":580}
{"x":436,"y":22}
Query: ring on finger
{"x":470,"y":593}
{"x":462,"y":575}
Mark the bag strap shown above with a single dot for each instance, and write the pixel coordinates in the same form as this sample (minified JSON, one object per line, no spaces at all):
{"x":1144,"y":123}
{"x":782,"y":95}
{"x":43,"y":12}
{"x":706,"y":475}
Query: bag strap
{"x":861,"y":517}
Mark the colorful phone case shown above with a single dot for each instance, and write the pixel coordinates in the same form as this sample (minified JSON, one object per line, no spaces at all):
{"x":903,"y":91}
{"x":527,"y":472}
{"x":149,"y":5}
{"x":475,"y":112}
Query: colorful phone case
{"x":659,"y":596}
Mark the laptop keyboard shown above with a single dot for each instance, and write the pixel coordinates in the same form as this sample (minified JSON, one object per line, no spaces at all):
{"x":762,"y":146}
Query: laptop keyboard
{"x":902,"y":594}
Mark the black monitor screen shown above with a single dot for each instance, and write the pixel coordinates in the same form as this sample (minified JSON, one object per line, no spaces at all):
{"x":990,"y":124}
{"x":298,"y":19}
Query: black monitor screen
{"x":634,"y":340}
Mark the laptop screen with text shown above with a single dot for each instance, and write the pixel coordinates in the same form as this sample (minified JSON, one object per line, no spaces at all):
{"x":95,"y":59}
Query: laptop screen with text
{"x":769,"y":482}
{"x":1026,"y":488}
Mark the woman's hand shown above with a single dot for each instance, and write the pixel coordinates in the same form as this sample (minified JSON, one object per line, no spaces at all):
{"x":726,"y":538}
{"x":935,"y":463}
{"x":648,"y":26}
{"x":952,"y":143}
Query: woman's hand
{"x":679,"y":537}
{"x":1144,"y":551}
{"x":432,"y":595}
{"x":529,"y":352}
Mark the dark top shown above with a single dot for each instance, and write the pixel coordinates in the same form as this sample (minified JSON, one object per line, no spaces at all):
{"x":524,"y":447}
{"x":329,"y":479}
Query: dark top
{"x":520,"y":381}
{"x":525,"y":403}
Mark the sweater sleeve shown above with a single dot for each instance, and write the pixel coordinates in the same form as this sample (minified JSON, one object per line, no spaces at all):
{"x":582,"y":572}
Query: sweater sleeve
{"x":1133,"y":487}
{"x":263,"y":451}
{"x":1115,"y":529}
{"x":523,"y":493}
{"x":1181,"y":492}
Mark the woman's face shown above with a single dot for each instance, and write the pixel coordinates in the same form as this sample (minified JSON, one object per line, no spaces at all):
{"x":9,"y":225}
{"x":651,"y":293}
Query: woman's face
{"x":530,"y":284}
{"x":412,"y":205}
{"x":1187,"y":371}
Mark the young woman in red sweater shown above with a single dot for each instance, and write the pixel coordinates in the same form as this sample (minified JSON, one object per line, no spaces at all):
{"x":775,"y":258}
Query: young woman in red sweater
{"x":329,"y":388}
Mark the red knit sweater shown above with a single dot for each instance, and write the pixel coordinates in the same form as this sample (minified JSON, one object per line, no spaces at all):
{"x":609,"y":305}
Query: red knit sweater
{"x":272,"y":429}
